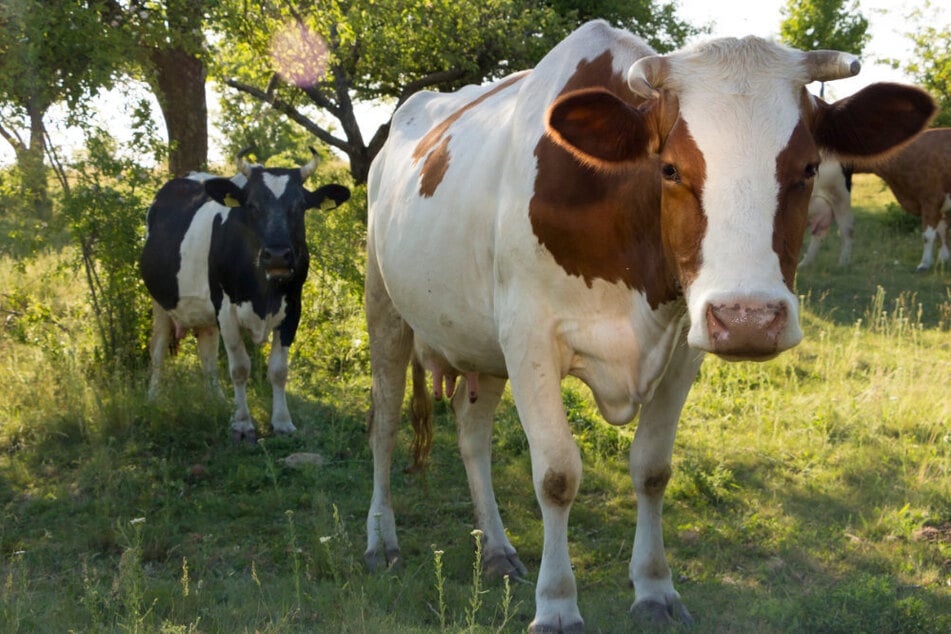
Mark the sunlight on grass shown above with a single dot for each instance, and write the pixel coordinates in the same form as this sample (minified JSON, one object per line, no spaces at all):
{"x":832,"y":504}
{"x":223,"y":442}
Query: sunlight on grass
{"x":810,"y":492}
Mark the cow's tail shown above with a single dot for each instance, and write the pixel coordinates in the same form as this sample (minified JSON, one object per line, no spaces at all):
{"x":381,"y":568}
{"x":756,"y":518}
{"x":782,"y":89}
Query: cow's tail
{"x":421,"y":417}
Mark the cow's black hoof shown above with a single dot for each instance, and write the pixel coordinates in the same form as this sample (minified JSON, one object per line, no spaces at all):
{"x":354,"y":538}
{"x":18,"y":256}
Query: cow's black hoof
{"x":379,"y":562}
{"x":661,"y":613}
{"x":244,"y":436}
{"x":498,"y":566}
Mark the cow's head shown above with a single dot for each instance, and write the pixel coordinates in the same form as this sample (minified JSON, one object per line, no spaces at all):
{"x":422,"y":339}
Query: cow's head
{"x":271,"y":203}
{"x":735,"y":137}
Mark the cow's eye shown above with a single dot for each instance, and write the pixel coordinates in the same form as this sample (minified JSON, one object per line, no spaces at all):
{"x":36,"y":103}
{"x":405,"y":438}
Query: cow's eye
{"x":670,"y":173}
{"x":811,"y":170}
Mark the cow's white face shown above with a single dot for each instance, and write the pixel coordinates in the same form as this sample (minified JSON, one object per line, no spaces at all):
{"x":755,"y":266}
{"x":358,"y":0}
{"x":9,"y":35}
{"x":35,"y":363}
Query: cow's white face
{"x":741,"y":139}
{"x":732,"y":137}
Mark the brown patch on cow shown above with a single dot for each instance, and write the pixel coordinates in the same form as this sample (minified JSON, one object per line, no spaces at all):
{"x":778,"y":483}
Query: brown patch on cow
{"x":558,"y":488}
{"x":656,"y":482}
{"x":435,"y":145}
{"x":434,"y":168}
{"x":684,"y":222}
{"x":603,"y":224}
{"x":795,"y":190}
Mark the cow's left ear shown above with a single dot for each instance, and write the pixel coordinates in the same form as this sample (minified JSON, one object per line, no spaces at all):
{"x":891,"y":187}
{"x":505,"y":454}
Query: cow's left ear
{"x":328,"y":197}
{"x":598,"y":128}
{"x":874,"y":120}
{"x":222,"y":190}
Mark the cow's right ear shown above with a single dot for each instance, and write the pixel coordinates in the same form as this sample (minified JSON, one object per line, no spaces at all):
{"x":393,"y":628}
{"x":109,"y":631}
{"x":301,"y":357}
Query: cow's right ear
{"x":328,"y":197}
{"x":222,"y":190}
{"x":876,"y":119}
{"x":598,"y":128}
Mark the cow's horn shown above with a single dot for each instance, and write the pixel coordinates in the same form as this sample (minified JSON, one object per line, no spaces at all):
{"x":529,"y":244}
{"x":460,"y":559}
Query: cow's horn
{"x":646,"y":75}
{"x":243,"y":166}
{"x":830,"y":65}
{"x":311,"y":167}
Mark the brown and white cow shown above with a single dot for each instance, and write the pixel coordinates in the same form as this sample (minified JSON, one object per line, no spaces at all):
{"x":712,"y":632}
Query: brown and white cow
{"x":919,"y":176}
{"x":831,"y":202}
{"x":612,"y":215}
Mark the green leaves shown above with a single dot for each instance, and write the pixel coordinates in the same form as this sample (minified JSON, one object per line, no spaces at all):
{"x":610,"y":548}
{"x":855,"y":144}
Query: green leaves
{"x":824,"y":24}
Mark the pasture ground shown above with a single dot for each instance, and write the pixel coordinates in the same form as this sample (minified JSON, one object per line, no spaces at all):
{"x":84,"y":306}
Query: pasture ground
{"x":811,"y":493}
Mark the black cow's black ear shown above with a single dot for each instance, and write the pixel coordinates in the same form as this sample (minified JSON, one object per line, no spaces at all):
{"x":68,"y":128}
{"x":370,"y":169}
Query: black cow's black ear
{"x":222,"y":190}
{"x":328,"y":197}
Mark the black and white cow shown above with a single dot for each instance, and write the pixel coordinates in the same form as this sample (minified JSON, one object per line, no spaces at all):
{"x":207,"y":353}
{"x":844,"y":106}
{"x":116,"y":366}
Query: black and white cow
{"x":231,"y":255}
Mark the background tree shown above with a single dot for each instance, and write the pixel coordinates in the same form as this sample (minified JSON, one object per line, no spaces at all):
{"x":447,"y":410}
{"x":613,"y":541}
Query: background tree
{"x":829,"y":24}
{"x":168,"y":52}
{"x":930,"y":65}
{"x":314,"y":61}
{"x":50,"y":53}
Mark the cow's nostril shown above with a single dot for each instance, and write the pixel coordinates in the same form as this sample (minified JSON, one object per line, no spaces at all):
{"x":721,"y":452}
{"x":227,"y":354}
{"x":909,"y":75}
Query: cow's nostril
{"x":276,"y":257}
{"x":746,"y":329}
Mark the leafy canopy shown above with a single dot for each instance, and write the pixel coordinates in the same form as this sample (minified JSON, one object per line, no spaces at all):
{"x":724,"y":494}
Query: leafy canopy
{"x":824,"y":24}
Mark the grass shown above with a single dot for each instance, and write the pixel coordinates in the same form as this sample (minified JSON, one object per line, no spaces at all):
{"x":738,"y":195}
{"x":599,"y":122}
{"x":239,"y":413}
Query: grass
{"x":810,"y":493}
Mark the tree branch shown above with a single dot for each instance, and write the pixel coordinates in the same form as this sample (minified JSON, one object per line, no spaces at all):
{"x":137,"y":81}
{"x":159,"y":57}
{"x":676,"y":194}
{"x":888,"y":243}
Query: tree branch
{"x":292,"y":113}
{"x":11,"y":137}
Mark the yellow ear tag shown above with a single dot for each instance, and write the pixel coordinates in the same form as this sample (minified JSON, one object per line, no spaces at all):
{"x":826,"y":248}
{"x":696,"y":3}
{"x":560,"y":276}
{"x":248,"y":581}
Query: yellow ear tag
{"x":328,"y":203}
{"x":231,"y":201}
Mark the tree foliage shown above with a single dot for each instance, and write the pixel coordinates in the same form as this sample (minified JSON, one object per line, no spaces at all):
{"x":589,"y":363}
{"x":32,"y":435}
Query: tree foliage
{"x":50,"y":52}
{"x":166,"y":48}
{"x":930,"y":64}
{"x":314,"y":61}
{"x":824,"y":24}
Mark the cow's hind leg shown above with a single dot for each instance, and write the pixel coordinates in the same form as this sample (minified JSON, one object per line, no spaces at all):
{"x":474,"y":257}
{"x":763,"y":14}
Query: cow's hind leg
{"x":654,"y":594}
{"x":239,"y":366}
{"x":391,"y":344}
{"x":163,"y":329}
{"x":845,"y":220}
{"x":474,"y":419}
{"x":208,"y":355}
{"x":277,"y":374}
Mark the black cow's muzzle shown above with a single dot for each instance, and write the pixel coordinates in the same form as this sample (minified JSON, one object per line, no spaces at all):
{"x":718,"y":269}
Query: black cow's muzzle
{"x":278,"y":263}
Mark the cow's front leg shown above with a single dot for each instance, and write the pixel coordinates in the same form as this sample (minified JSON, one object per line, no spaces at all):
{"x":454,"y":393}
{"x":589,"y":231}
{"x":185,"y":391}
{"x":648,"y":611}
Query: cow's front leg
{"x":239,"y":366}
{"x":556,"y":474}
{"x":654,"y":594}
{"x":277,"y":374}
{"x":474,"y":418}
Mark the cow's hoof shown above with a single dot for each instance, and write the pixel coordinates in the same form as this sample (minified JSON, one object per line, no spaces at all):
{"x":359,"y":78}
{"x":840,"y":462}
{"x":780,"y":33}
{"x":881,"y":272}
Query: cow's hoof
{"x":379,"y":562}
{"x":659,"y":613}
{"x":549,"y":628}
{"x":284,"y":430}
{"x":500,"y":565}
{"x":244,"y":436}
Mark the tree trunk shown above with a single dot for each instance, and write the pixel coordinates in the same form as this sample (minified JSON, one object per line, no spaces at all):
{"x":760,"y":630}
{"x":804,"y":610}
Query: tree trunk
{"x":179,"y":86}
{"x":33,"y":183}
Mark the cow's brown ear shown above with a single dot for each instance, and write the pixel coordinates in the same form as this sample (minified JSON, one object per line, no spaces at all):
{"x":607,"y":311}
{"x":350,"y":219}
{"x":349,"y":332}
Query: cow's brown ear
{"x":874,"y":120}
{"x":598,"y":128}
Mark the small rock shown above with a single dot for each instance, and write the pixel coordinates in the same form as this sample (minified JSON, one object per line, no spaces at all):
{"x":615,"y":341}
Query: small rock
{"x":302,"y":458}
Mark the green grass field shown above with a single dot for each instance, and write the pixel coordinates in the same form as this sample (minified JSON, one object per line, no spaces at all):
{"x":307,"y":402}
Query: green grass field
{"x":811,"y":493}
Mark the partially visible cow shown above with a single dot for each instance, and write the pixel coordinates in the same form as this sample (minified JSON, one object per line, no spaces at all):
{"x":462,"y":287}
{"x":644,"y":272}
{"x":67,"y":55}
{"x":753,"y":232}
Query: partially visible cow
{"x":611,"y":214}
{"x":919,"y":176}
{"x":230,"y":255}
{"x":831,"y":202}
